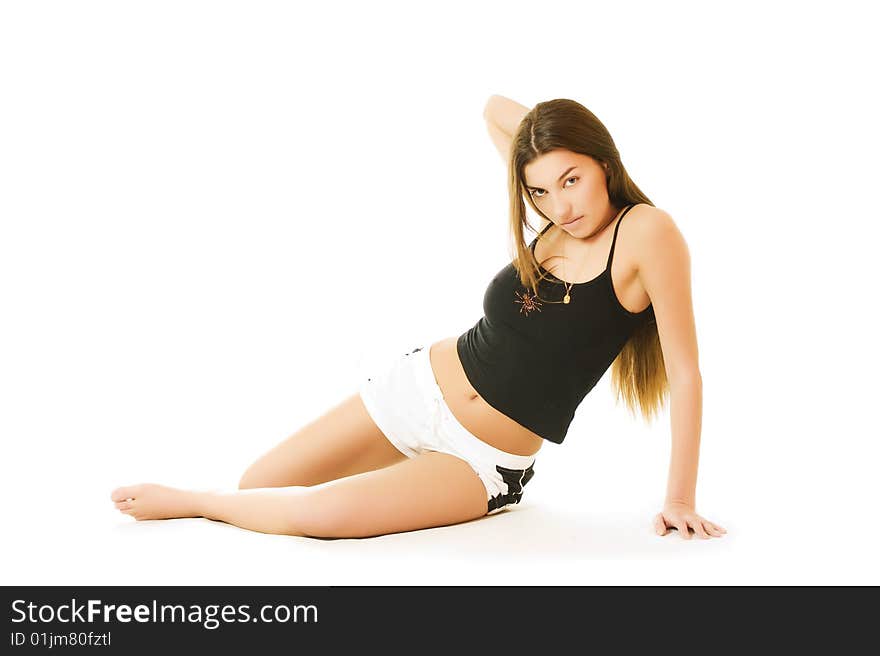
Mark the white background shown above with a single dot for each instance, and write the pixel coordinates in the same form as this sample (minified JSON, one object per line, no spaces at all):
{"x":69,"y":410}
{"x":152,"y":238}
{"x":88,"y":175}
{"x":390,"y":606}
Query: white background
{"x":217,"y":216}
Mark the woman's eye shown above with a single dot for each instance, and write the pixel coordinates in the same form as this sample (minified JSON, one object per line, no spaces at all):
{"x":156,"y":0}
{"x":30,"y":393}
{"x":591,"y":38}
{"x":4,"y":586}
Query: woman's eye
{"x":535,"y":191}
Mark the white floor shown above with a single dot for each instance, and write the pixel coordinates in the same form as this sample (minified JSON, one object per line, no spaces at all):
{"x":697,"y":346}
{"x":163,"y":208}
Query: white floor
{"x":796,"y":492}
{"x":62,"y":529}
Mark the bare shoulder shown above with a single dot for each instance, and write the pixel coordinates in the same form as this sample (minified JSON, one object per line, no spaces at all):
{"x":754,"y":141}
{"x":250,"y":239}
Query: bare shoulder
{"x":655,"y":234}
{"x":645,"y":217}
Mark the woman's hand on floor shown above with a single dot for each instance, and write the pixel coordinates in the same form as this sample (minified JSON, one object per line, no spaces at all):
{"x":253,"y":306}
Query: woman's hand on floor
{"x":681,"y":516}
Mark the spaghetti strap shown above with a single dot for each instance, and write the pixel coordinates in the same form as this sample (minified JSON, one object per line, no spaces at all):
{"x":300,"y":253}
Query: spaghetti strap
{"x":614,"y":239}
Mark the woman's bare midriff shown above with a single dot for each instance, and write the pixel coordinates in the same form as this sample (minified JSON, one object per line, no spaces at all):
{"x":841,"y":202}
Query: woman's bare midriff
{"x":471,"y":410}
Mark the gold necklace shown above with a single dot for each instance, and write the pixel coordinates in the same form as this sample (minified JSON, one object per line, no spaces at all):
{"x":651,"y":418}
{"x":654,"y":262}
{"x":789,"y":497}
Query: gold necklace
{"x":530,"y":302}
{"x":568,"y":285}
{"x":567,"y":298}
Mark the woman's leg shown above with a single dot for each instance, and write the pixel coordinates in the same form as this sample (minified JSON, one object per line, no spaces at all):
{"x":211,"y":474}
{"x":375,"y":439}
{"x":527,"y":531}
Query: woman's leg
{"x":433,"y":489}
{"x":342,"y":442}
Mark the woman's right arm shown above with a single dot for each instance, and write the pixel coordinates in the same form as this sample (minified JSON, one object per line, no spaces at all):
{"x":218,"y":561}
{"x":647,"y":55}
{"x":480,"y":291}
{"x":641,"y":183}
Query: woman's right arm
{"x":503,"y":117}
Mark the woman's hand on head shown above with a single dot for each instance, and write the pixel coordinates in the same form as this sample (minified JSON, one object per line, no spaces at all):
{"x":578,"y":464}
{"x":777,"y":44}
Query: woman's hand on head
{"x":682,"y":517}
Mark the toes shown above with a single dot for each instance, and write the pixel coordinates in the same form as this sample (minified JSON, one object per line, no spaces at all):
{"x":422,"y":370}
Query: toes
{"x":123,"y":493}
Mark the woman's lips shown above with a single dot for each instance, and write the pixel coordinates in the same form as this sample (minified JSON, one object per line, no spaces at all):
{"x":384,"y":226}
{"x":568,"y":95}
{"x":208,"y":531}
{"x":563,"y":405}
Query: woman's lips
{"x":574,"y":221}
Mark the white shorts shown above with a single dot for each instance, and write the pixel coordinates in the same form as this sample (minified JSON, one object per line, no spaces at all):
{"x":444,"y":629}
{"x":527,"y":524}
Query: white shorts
{"x":408,"y":407}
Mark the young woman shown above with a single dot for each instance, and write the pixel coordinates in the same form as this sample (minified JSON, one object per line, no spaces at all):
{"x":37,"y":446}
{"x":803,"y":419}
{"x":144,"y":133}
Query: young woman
{"x":448,"y":432}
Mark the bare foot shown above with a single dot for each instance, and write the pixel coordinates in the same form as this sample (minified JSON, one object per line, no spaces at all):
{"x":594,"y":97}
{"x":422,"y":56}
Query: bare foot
{"x":151,"y":501}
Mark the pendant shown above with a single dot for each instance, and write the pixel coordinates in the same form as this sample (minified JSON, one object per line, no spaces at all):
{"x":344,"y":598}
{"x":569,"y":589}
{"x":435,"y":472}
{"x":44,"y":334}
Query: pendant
{"x":567,"y":298}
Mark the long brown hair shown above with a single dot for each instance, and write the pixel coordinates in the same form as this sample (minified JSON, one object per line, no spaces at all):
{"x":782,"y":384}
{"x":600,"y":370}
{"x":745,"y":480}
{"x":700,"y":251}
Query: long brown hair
{"x":638,"y":374}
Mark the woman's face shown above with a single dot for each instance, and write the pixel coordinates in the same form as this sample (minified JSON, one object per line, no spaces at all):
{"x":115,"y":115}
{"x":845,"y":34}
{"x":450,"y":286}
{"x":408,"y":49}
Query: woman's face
{"x":565,"y":186}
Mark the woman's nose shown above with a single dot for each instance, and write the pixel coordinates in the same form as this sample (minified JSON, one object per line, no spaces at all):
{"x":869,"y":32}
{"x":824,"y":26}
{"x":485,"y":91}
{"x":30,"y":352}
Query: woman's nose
{"x":562,"y":211}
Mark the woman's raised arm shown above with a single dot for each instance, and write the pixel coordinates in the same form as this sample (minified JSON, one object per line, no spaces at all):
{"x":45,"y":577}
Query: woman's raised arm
{"x":503,"y":117}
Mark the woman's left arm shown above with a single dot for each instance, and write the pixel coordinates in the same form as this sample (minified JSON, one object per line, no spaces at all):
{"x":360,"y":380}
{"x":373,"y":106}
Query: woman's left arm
{"x":664,"y":269}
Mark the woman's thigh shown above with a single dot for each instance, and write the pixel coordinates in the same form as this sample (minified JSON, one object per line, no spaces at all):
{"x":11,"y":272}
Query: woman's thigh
{"x":342,"y":442}
{"x":429,"y":490}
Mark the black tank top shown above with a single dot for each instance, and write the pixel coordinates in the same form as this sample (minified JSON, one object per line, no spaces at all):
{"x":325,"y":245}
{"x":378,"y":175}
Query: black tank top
{"x":535,"y":361}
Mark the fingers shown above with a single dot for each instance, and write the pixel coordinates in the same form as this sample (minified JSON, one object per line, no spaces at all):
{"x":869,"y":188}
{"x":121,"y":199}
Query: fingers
{"x":703,"y":528}
{"x":659,"y":525}
{"x":700,"y":530}
{"x":713,"y":530}
{"x":683,"y":529}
